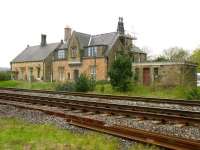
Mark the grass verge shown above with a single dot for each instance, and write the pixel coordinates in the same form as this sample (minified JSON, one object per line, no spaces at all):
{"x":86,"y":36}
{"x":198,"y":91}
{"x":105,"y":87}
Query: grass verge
{"x":18,"y":135}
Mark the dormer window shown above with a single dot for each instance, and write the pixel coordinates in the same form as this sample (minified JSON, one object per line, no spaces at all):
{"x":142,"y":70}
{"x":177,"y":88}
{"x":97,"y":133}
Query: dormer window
{"x":92,"y":51}
{"x":61,"y":54}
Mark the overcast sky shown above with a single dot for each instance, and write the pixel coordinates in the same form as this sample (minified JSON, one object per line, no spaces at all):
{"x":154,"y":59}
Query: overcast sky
{"x":158,"y":24}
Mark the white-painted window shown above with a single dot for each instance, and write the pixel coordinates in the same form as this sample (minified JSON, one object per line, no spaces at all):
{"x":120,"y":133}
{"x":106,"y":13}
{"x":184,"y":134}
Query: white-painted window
{"x":92,"y":51}
{"x":61,"y":54}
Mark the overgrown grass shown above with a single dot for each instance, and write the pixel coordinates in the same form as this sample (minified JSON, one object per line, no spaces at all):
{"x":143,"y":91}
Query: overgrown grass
{"x":27,"y":85}
{"x":105,"y":88}
{"x":18,"y":135}
{"x":138,"y":90}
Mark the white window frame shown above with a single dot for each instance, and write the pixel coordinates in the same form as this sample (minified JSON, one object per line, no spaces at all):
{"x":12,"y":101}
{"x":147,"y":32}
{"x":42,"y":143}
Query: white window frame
{"x":92,"y":51}
{"x":61,"y":54}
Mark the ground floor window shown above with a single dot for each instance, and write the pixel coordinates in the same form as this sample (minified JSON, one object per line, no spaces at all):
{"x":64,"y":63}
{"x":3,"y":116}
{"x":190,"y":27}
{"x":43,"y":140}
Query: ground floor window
{"x":61,"y":73}
{"x":155,"y":73}
{"x":38,"y":72}
{"x":93,"y":72}
{"x":30,"y":74}
{"x":68,"y":76}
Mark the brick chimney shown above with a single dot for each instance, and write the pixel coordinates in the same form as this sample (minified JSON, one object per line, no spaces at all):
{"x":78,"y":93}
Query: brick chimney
{"x":67,"y":35}
{"x":43,"y":40}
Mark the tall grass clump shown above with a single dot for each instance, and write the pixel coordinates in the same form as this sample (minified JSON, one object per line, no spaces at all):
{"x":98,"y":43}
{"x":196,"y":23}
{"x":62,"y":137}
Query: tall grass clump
{"x":5,"y":75}
{"x":194,"y":94}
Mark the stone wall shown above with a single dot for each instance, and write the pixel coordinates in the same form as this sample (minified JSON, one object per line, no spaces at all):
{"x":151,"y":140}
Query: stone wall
{"x":21,"y":71}
{"x":84,"y":67}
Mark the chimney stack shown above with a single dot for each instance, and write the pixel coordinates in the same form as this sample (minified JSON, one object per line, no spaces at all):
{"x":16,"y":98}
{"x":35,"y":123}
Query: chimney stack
{"x":68,"y":31}
{"x":43,"y":40}
{"x":120,"y":26}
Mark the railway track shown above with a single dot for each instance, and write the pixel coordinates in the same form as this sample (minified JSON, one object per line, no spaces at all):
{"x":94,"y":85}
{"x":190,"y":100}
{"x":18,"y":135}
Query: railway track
{"x":164,"y":115}
{"x":125,"y":132}
{"x":114,"y":97}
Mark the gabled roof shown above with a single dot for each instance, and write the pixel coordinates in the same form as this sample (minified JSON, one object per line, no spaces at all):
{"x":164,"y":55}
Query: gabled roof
{"x":104,"y":39}
{"x":83,"y":38}
{"x":36,"y":53}
{"x":107,"y":39}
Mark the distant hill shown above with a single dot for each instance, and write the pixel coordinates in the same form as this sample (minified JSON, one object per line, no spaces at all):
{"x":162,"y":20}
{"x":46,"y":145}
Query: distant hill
{"x":4,"y":69}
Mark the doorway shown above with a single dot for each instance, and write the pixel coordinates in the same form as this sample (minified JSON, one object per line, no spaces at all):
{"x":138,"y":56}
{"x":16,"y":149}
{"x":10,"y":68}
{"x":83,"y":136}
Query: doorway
{"x":76,"y":74}
{"x":146,"y":76}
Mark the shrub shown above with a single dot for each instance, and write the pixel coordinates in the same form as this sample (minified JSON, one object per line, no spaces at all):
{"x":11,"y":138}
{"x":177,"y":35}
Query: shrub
{"x":121,"y":72}
{"x":102,"y":82}
{"x":5,"y":75}
{"x":102,"y":89}
{"x":84,"y":84}
{"x":68,"y":86}
{"x":194,"y":94}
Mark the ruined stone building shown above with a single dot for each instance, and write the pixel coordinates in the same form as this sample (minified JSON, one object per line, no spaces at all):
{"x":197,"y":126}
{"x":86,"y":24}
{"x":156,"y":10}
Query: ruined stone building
{"x":93,"y":54}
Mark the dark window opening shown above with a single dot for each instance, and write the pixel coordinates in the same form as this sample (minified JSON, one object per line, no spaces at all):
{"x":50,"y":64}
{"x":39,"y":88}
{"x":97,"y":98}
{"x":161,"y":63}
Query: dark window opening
{"x":68,"y":76}
{"x":155,"y":71}
{"x":38,"y":72}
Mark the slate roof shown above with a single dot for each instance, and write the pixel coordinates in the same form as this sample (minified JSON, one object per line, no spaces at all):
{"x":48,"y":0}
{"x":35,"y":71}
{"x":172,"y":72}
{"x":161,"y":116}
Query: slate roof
{"x":63,"y":46}
{"x":104,"y":39}
{"x":100,"y":39}
{"x":136,"y":49}
{"x":83,"y":38}
{"x":35,"y":53}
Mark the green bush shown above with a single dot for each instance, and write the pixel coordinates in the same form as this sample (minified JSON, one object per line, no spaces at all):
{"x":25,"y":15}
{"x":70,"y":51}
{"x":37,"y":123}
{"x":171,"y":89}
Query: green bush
{"x":84,"y":84}
{"x":194,"y":94}
{"x":67,"y":86}
{"x":5,"y":75}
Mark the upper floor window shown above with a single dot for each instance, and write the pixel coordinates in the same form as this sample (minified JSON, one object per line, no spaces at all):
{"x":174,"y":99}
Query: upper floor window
{"x":61,"y":54}
{"x":74,"y":52}
{"x":92,"y":51}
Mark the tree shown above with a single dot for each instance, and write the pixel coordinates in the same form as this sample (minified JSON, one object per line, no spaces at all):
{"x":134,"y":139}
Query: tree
{"x":195,"y":57}
{"x":176,"y":54}
{"x":160,"y":59}
{"x":121,"y":72}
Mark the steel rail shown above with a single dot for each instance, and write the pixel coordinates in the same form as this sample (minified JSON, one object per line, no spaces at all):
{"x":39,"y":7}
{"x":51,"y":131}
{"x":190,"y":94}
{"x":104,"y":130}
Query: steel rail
{"x":114,"y":97}
{"x":110,"y":108}
{"x":120,"y":131}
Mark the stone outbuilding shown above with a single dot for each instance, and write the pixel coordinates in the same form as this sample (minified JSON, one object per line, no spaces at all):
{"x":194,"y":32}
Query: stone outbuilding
{"x":166,"y":74}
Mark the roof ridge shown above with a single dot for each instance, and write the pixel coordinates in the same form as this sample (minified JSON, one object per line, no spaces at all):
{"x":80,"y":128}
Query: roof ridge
{"x":82,"y":33}
{"x":39,"y":44}
{"x":103,"y":33}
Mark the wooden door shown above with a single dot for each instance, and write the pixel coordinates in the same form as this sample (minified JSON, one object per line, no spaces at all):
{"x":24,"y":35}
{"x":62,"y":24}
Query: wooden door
{"x":146,"y":76}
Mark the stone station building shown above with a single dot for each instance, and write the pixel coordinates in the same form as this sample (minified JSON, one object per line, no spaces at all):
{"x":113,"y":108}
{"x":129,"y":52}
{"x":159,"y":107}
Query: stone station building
{"x":93,"y":54}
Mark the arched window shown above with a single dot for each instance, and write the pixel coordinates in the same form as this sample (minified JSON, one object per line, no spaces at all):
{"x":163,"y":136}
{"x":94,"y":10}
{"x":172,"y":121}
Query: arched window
{"x":74,"y":52}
